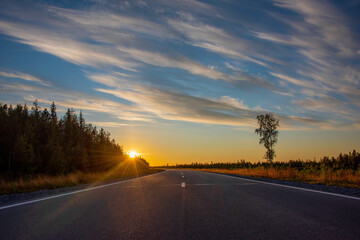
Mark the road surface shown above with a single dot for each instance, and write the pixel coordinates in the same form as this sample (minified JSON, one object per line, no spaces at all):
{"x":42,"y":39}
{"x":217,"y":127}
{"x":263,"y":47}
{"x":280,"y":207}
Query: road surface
{"x":186,"y":205}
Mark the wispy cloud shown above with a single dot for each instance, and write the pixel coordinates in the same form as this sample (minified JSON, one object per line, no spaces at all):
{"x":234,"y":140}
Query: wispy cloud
{"x":93,"y":20}
{"x":323,"y":38}
{"x":157,"y":59}
{"x":233,"y":102}
{"x":24,"y":76}
{"x":327,"y":22}
{"x":109,"y":124}
{"x":16,"y":87}
{"x":167,"y":60}
{"x":324,"y":49}
{"x":217,"y":40}
{"x":71,"y":99}
{"x":132,"y":46}
{"x":301,"y":83}
{"x":119,"y":53}
{"x":174,"y":105}
{"x":320,"y":104}
{"x":63,"y":46}
{"x":182,"y":107}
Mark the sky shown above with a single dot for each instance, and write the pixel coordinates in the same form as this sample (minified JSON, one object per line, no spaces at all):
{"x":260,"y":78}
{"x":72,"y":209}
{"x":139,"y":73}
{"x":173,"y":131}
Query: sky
{"x":182,"y":81}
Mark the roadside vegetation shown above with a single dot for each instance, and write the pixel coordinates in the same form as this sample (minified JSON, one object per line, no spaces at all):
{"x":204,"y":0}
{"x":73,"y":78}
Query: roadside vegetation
{"x":38,"y":150}
{"x":128,"y":168}
{"x":343,"y":170}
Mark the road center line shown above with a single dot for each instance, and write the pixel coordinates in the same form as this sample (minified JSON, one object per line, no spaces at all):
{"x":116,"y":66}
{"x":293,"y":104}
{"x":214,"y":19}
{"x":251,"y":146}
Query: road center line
{"x":183,"y":184}
{"x":74,"y":192}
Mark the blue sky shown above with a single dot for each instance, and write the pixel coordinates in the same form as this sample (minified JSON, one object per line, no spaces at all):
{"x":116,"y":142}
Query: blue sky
{"x":149,"y":71}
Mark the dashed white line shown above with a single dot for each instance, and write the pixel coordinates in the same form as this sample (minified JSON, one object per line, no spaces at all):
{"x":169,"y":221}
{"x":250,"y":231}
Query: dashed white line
{"x":183,"y":184}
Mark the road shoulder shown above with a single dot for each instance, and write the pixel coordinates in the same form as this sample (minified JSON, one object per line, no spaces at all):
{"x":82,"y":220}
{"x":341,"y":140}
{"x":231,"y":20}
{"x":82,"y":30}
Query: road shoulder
{"x":353,"y":192}
{"x":16,"y":198}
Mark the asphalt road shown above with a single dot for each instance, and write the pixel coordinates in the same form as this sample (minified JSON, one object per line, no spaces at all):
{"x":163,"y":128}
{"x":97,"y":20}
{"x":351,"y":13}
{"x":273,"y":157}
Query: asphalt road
{"x":186,"y":205}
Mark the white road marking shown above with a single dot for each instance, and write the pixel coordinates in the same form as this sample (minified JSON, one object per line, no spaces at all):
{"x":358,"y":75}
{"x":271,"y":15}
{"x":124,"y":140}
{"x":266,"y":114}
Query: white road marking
{"x":182,"y":176}
{"x":286,"y":186}
{"x":74,"y":192}
{"x":183,"y":184}
{"x":246,"y":184}
{"x":215,"y":184}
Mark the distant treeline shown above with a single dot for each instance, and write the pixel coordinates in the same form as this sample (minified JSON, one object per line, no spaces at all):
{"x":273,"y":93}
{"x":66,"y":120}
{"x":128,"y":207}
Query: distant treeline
{"x":349,"y":161}
{"x":37,"y":142}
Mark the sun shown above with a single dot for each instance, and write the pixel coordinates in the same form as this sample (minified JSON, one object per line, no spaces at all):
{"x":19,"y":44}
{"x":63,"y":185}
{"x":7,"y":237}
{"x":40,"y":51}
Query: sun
{"x":132,"y":154}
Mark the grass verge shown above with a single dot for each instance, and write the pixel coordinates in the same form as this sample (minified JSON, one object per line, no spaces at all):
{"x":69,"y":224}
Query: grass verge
{"x":40,"y":182}
{"x":344,"y":178}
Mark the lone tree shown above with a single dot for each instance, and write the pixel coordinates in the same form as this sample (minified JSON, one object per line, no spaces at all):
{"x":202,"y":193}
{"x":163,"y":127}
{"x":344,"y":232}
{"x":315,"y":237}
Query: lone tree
{"x":268,"y":134}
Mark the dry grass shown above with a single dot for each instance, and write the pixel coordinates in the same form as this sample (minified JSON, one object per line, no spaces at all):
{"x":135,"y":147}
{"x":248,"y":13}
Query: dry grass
{"x":346,"y":178}
{"x":50,"y":182}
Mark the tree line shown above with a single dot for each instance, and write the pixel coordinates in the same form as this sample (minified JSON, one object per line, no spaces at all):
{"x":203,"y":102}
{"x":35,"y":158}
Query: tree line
{"x":35,"y":141}
{"x":350,"y":161}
